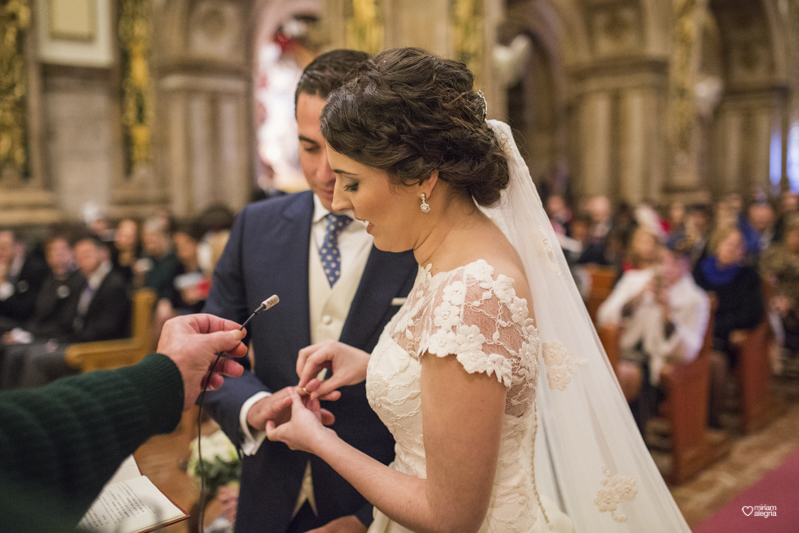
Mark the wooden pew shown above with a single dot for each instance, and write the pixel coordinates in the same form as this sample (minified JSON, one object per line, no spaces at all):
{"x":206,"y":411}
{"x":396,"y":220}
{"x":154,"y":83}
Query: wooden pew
{"x":758,"y":405}
{"x":100,"y":355}
{"x":602,"y":281}
{"x":687,"y":385}
{"x":609,"y":337}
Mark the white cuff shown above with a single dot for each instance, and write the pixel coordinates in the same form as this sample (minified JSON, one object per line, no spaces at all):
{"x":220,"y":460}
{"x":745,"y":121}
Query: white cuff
{"x":6,"y":291}
{"x":251,"y":440}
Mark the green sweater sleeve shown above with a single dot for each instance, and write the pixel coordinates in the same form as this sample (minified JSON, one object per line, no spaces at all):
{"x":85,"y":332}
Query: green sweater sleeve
{"x":68,"y":437}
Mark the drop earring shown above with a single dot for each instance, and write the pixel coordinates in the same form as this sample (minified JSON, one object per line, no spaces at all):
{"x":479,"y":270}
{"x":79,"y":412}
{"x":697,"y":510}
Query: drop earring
{"x":425,"y":206}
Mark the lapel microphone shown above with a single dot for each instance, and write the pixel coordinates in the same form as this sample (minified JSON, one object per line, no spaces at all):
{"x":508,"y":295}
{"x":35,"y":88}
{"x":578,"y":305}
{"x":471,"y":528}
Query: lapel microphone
{"x":266,"y":304}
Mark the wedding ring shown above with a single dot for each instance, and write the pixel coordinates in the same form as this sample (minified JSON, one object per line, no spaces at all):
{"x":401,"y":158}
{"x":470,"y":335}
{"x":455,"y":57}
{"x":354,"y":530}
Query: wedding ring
{"x":305,"y":390}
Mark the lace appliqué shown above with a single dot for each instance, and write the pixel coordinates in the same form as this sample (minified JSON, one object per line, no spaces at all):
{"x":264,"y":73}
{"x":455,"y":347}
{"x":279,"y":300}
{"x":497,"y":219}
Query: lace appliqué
{"x":478,"y":319}
{"x":547,"y":246}
{"x":561,"y":365}
{"x":616,"y":489}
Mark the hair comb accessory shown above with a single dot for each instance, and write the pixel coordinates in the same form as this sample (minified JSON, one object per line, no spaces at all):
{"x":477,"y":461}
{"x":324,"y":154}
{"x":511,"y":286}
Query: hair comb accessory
{"x":483,"y":104}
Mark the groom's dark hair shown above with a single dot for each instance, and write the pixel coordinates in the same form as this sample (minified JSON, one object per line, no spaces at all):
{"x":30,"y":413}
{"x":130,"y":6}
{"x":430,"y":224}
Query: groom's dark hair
{"x":328,"y":72}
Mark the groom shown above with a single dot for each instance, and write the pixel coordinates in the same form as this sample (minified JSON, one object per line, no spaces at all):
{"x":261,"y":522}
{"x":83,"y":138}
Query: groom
{"x":333,"y":284}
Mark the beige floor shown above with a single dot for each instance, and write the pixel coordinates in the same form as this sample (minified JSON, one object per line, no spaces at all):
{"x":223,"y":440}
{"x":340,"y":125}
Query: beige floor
{"x":164,"y":459}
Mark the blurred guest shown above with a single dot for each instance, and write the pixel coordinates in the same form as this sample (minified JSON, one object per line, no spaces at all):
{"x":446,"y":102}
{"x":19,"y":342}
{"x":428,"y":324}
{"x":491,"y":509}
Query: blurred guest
{"x":696,"y":231}
{"x":789,"y":203}
{"x":780,"y":266}
{"x":732,"y":207}
{"x":214,"y":225}
{"x":740,"y":304}
{"x":56,"y":304}
{"x":663,"y":315}
{"x":21,"y":276}
{"x":676,"y":218}
{"x":761,"y":219}
{"x":643,"y":250}
{"x":600,"y":210}
{"x":559,"y":214}
{"x":191,"y":285}
{"x":126,"y":251}
{"x":160,"y":263}
{"x":97,"y":222}
{"x":102,"y":313}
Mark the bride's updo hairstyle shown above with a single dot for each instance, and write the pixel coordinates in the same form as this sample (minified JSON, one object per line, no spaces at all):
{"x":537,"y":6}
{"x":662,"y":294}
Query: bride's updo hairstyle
{"x":408,"y":112}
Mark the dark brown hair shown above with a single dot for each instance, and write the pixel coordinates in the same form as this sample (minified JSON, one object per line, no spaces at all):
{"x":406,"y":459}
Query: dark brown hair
{"x":409,"y":112}
{"x":327,"y":72}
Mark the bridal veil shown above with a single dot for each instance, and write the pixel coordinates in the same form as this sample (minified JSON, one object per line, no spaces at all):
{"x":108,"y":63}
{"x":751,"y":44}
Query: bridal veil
{"x":590,"y":457}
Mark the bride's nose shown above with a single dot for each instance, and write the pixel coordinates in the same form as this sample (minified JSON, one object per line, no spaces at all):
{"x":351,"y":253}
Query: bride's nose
{"x":340,"y":200}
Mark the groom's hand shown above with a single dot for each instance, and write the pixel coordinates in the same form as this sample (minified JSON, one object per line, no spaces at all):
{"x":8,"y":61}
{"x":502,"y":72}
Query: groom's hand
{"x":277,"y":408}
{"x":345,"y":524}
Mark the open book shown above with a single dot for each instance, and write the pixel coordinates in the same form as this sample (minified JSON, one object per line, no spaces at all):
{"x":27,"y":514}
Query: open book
{"x":130,"y":503}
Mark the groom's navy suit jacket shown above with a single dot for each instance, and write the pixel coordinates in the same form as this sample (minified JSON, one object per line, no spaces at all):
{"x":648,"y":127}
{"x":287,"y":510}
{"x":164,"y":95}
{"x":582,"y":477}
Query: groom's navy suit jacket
{"x":267,"y":253}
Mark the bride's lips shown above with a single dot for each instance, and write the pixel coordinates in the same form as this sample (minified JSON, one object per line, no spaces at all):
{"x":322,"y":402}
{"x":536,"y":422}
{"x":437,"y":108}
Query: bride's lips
{"x":369,"y":225}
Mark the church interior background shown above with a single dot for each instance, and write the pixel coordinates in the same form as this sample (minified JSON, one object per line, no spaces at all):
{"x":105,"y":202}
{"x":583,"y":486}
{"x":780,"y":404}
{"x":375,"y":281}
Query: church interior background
{"x":132,"y":106}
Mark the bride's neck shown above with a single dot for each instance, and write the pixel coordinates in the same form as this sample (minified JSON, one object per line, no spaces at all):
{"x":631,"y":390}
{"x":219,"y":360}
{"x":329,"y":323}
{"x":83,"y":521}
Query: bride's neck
{"x":444,"y":245}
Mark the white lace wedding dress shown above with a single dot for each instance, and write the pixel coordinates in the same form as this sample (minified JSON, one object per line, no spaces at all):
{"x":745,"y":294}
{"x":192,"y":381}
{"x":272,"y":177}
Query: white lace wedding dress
{"x":470,"y":313}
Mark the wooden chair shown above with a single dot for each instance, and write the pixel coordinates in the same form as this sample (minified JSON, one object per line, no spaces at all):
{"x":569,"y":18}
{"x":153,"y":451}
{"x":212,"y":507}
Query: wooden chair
{"x":99,"y":355}
{"x":758,"y":405}
{"x":602,"y":281}
{"x":687,"y":386}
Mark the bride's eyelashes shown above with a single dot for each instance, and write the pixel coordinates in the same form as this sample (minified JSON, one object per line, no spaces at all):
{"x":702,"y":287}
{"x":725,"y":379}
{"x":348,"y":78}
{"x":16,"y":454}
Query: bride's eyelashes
{"x":351,"y":187}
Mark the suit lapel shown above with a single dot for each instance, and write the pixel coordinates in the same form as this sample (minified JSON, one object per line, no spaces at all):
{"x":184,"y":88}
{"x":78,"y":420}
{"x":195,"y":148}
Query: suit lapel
{"x":290,"y":267}
{"x":383,"y":279}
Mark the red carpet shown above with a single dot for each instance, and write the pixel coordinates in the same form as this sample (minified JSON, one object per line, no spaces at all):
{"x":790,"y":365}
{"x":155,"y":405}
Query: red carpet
{"x":777,"y":492}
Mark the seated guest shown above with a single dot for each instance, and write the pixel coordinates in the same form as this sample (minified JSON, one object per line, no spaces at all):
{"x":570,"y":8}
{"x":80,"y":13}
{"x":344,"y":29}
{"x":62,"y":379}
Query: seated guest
{"x":780,"y":266}
{"x":21,"y":277}
{"x":56,"y":304}
{"x":102,"y":313}
{"x":761,"y":218}
{"x":789,"y":204}
{"x":160,"y":262}
{"x":126,"y":251}
{"x":191,"y":285}
{"x":643,"y":250}
{"x":740,"y":304}
{"x":663,"y":315}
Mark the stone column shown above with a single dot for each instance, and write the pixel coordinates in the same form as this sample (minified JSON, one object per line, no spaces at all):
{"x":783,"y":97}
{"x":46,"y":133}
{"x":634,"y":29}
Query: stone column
{"x":203,"y":88}
{"x":619,"y":130}
{"x":746,"y":125}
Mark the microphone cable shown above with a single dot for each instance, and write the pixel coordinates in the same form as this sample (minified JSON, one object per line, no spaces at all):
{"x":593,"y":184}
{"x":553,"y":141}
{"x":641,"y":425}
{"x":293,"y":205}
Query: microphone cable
{"x":266,"y":304}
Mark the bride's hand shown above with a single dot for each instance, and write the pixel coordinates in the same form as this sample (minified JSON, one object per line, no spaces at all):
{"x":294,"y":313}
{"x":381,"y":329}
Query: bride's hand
{"x":348,"y":365}
{"x":304,"y":429}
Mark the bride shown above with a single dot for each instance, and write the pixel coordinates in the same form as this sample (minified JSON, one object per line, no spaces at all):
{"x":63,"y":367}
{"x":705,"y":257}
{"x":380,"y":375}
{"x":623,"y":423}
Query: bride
{"x":487,"y":438}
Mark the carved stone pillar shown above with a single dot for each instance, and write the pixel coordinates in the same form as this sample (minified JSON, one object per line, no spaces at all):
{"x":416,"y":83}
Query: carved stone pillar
{"x":618,"y":130}
{"x":204,"y":104}
{"x":747,"y":123}
{"x":25,"y":196}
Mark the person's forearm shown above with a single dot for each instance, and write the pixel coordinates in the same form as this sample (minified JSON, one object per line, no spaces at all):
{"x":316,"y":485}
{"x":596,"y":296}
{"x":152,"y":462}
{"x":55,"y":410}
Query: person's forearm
{"x":402,"y":497}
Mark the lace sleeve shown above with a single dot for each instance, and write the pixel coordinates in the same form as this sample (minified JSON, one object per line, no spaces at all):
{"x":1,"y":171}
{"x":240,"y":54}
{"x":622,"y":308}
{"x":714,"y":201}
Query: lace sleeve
{"x":480,"y":320}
